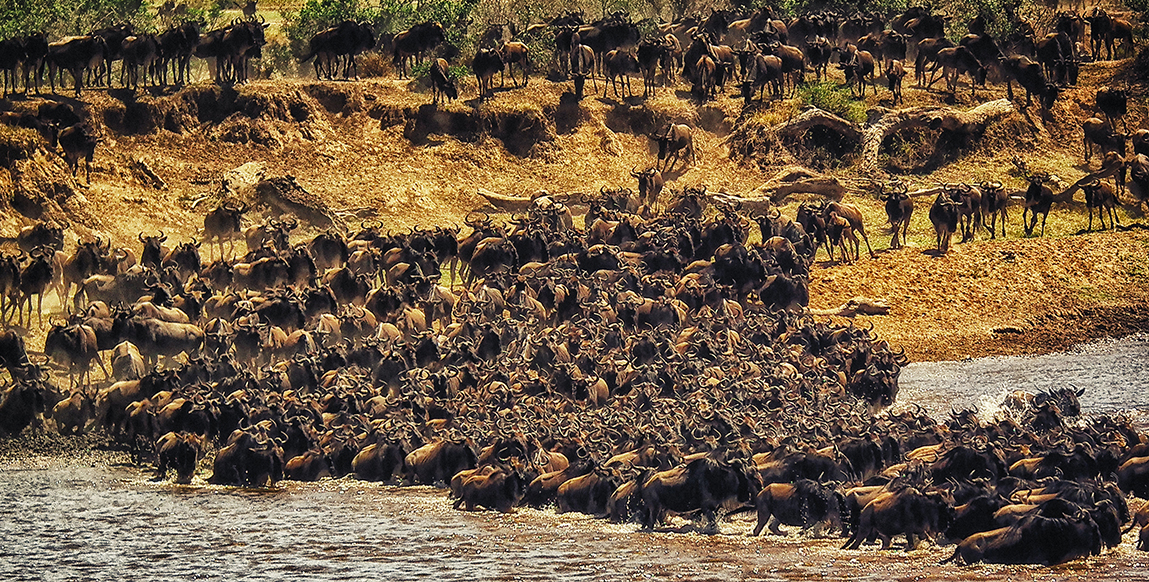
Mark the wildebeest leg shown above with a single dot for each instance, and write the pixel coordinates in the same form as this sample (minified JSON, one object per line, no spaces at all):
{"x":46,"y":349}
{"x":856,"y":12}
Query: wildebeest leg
{"x":776,"y":527}
{"x":911,"y":541}
{"x":763,"y":519}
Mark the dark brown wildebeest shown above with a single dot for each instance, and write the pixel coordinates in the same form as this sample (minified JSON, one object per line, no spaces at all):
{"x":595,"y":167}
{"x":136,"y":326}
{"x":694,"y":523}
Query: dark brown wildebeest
{"x":899,"y":210}
{"x":676,"y":141}
{"x":79,"y":142}
{"x":487,"y":62}
{"x":994,"y":201}
{"x":413,"y":42}
{"x":944,"y":214}
{"x":619,"y":65}
{"x":804,"y":503}
{"x":1103,"y":197}
{"x":442,"y":86}
{"x":906,"y":511}
{"x":224,"y":223}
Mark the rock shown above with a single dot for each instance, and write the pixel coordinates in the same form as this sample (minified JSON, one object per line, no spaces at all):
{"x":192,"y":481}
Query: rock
{"x":237,"y":180}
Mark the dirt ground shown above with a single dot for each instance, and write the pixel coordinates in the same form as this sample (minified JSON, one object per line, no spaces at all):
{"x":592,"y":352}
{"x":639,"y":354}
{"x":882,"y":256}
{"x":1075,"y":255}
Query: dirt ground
{"x":376,"y":150}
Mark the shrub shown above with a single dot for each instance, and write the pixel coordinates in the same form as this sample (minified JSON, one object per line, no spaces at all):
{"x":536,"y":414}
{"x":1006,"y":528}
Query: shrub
{"x":830,"y":97}
{"x":71,"y":17}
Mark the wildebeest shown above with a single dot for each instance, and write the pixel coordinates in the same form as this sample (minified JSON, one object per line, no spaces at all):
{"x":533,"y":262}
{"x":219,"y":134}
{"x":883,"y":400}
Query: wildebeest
{"x":704,"y":483}
{"x":1100,"y":195}
{"x":179,"y":452}
{"x":1038,"y":200}
{"x":860,"y":70}
{"x":1034,"y":539}
{"x":927,"y":53}
{"x":127,"y":364}
{"x":618,"y":65}
{"x":803,"y":503}
{"x":177,"y":44}
{"x":41,"y":234}
{"x":11,"y":54}
{"x":650,"y":53}
{"x":76,"y":55}
{"x":944,"y":215}
{"x":1030,"y":76}
{"x":1138,"y":185}
{"x":1113,"y":103}
{"x":413,"y":42}
{"x":248,"y":460}
{"x":241,"y":42}
{"x":957,"y":60}
{"x":995,"y":203}
{"x":14,"y":357}
{"x":442,"y":86}
{"x":35,"y":58}
{"x":19,"y":406}
{"x":764,"y":69}
{"x":75,"y":346}
{"x":705,"y":77}
{"x":35,"y":277}
{"x":514,"y":53}
{"x":899,"y":211}
{"x":854,"y":217}
{"x":159,"y":338}
{"x":140,"y":51}
{"x":650,"y":184}
{"x":224,"y":222}
{"x":79,"y":143}
{"x":895,"y":72}
{"x":341,"y":42}
{"x":438,"y":461}
{"x":487,"y":62}
{"x":499,"y":490}
{"x":676,"y":141}
{"x":1100,"y":134}
{"x":906,"y":511}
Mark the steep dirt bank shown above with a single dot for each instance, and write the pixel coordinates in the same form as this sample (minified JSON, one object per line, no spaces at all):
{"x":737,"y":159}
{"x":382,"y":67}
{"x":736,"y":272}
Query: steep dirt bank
{"x":1028,"y":296}
{"x":376,"y":150}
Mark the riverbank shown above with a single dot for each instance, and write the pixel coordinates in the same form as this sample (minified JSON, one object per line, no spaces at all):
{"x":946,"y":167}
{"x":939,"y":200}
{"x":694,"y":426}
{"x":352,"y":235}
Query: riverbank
{"x":994,"y":298}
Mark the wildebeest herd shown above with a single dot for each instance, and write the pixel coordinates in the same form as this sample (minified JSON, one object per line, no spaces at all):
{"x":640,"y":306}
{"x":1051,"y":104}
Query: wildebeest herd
{"x":651,"y":363}
{"x":754,"y":50}
{"x":146,"y":58}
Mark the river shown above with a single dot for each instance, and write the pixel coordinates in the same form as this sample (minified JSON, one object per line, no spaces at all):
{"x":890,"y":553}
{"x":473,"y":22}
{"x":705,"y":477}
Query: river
{"x":70,"y":520}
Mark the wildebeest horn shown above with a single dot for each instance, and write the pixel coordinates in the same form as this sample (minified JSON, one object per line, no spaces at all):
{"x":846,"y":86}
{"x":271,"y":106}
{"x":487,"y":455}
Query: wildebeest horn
{"x":633,"y":173}
{"x":141,"y":237}
{"x":163,"y":237}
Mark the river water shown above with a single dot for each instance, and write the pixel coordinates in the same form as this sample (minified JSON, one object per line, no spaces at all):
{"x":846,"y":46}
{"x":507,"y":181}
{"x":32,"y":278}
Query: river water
{"x":70,"y":520}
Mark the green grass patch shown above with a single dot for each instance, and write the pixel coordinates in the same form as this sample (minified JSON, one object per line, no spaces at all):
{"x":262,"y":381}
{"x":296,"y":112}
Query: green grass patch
{"x":833,"y":98}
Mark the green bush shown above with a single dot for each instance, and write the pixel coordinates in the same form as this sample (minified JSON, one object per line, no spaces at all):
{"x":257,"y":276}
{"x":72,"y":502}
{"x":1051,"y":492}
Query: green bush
{"x":830,"y":97}
{"x":796,"y":7}
{"x":386,"y":16}
{"x":71,"y":17}
{"x":317,"y":15}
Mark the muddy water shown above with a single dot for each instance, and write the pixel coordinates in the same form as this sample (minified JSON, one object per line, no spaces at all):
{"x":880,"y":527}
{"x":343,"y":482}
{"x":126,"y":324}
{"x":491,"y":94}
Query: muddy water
{"x":1114,"y":374}
{"x":65,"y":520}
